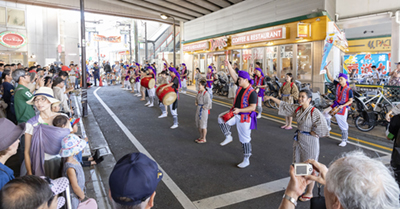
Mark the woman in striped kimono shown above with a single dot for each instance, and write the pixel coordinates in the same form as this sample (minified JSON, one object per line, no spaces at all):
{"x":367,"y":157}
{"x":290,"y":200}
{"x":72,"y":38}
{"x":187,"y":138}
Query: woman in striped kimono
{"x":311,"y":125}
{"x":289,"y":92}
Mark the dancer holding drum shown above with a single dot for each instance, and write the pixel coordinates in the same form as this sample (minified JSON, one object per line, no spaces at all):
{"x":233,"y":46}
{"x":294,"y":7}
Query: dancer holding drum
{"x":339,"y":109}
{"x":151,"y":91}
{"x":204,"y":104}
{"x":311,"y":125}
{"x":242,"y":114}
{"x":174,"y":84}
{"x":163,"y":79}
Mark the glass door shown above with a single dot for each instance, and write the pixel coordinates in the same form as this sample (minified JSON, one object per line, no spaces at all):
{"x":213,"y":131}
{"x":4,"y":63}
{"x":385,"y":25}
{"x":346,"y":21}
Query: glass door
{"x":246,"y":59}
{"x":258,"y":56}
{"x":202,"y":63}
{"x":271,"y":57}
{"x":286,"y":60}
{"x":304,"y":62}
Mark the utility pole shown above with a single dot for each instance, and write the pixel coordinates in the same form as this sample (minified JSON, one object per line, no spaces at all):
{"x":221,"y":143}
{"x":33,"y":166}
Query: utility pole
{"x":136,"y":41}
{"x":130,"y":45}
{"x":145,"y":40}
{"x":83,"y":61}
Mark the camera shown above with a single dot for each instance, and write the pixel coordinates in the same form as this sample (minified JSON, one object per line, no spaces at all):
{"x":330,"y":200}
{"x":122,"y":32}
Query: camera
{"x":302,"y":169}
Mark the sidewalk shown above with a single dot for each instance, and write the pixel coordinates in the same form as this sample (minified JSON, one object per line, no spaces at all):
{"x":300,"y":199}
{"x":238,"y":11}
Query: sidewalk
{"x":96,"y":176}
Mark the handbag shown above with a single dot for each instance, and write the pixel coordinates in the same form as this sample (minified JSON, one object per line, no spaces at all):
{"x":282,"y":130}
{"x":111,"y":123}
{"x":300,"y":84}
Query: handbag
{"x":318,"y":202}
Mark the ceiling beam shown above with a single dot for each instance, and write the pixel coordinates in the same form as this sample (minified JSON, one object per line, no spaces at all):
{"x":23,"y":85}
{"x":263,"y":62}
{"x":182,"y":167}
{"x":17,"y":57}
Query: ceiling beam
{"x":191,"y":6}
{"x":220,"y":3}
{"x":175,"y":7}
{"x":149,"y":7}
{"x":205,"y":4}
{"x":235,"y":1}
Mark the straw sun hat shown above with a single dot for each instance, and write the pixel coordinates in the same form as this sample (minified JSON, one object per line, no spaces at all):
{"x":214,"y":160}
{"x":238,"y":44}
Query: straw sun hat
{"x":44,"y":91}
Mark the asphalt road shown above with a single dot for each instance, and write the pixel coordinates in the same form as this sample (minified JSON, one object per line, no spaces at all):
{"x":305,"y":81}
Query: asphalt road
{"x":205,"y":173}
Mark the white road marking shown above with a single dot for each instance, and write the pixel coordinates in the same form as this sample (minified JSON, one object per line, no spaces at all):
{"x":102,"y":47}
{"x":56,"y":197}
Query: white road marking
{"x":182,"y":198}
{"x":242,"y":195}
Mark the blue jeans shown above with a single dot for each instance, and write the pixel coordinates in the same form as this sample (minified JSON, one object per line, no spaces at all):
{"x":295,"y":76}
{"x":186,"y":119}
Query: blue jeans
{"x":96,"y":77}
{"x":77,"y":83}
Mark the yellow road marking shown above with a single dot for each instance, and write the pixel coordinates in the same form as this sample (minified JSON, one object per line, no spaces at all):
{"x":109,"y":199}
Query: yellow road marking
{"x":333,"y":133}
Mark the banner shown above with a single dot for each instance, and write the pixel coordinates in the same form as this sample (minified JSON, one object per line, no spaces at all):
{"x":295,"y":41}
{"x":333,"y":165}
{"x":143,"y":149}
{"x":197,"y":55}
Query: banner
{"x":330,"y":38}
{"x":363,"y":63}
{"x":112,"y":39}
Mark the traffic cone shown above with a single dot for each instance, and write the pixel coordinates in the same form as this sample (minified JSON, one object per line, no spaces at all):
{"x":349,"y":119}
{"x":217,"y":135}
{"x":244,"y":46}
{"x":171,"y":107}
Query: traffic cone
{"x":101,"y":81}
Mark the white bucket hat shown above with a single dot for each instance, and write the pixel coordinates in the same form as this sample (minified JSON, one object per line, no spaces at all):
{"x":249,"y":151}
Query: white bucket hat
{"x":44,"y":91}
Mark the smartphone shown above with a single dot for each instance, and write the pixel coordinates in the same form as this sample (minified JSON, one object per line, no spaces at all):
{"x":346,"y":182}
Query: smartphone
{"x":302,"y":169}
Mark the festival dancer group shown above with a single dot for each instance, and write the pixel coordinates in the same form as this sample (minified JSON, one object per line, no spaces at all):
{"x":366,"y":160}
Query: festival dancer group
{"x":312,"y":124}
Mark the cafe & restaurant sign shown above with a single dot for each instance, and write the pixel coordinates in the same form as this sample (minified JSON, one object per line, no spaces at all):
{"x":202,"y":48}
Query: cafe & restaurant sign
{"x":259,"y":36}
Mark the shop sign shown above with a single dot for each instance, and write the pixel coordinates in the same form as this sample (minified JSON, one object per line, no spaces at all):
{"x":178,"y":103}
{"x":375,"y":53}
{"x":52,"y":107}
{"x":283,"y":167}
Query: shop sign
{"x":12,"y":39}
{"x":264,"y":35}
{"x":363,"y":63}
{"x":219,"y":43}
{"x":371,"y":45}
{"x":112,"y":39}
{"x":196,"y":46}
{"x":303,"y":30}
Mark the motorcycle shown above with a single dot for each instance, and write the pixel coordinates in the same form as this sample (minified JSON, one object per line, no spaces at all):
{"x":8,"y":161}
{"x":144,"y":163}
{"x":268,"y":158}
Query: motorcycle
{"x":221,"y":86}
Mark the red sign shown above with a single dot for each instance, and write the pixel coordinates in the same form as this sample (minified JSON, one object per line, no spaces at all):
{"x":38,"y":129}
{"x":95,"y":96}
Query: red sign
{"x":197,"y":46}
{"x":112,"y":39}
{"x":264,"y":35}
{"x":219,"y":43}
{"x":12,"y":39}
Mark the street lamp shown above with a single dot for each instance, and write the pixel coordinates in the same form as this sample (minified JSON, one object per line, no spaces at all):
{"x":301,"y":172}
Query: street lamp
{"x":164,"y":17}
{"x":130,"y":38}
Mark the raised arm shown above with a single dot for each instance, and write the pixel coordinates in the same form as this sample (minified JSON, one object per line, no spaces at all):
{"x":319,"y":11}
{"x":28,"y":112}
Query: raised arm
{"x":328,"y":74}
{"x":166,"y":62}
{"x":231,"y":71}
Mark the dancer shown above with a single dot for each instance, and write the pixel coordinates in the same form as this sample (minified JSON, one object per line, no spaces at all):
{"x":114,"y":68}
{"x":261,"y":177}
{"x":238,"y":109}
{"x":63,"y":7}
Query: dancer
{"x":151,"y":72}
{"x":197,"y":78}
{"x":259,"y":83}
{"x":344,"y":98}
{"x":245,"y":117}
{"x":204,"y":104}
{"x":175,"y":84}
{"x":289,"y":92}
{"x":311,"y":126}
{"x":142,"y":88}
{"x":137,"y":79}
{"x":184,"y":74}
{"x":163,"y":79}
{"x":210,"y":80}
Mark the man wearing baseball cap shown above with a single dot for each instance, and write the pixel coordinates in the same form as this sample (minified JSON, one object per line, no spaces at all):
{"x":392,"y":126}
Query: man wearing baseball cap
{"x":9,"y":141}
{"x":133,"y":182}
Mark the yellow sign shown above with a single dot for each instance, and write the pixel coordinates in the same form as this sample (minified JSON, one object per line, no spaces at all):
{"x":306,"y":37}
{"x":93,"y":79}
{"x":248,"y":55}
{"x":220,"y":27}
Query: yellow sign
{"x":370,"y":45}
{"x":302,"y":30}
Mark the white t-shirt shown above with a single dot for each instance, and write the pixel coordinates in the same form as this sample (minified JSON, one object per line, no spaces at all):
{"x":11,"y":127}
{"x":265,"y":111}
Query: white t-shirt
{"x":29,"y":130}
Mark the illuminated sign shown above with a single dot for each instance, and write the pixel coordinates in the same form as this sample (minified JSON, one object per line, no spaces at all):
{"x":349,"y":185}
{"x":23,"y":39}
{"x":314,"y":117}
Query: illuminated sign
{"x":12,"y":39}
{"x":260,"y":36}
{"x":196,"y":46}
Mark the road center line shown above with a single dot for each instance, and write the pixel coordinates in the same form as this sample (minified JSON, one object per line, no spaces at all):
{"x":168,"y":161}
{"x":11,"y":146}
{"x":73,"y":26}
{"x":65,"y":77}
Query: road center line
{"x":178,"y":193}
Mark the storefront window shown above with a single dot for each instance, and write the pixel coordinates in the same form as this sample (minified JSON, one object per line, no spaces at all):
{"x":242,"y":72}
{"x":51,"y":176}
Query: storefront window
{"x":15,"y":17}
{"x":196,"y":62}
{"x":258,"y":55}
{"x":2,"y":15}
{"x":235,"y":58}
{"x":286,"y":61}
{"x":271,"y":61}
{"x":304,"y":62}
{"x":221,"y":62}
{"x":247,"y":57}
{"x":202,"y":63}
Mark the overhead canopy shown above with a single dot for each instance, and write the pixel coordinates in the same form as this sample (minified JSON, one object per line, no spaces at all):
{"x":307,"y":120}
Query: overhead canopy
{"x":181,"y":10}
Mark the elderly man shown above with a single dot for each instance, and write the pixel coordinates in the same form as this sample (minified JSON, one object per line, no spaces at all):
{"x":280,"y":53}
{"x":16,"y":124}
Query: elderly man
{"x":353,"y":181}
{"x":139,"y":170}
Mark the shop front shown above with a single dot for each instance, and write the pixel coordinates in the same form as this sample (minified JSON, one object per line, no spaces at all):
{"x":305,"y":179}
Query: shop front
{"x":363,"y":54}
{"x":294,"y":47}
{"x":13,"y":47}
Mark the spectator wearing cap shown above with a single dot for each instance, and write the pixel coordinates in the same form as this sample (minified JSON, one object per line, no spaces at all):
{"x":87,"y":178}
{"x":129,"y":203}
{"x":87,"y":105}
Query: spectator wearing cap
{"x":395,"y":76}
{"x":33,"y":192}
{"x":8,"y":95}
{"x":352,"y":181}
{"x":133,"y":182}
{"x":42,"y":139}
{"x":58,"y":85}
{"x":9,"y":141}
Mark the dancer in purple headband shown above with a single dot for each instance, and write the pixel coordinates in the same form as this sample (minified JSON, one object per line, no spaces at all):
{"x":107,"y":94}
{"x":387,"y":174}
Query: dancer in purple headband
{"x":344,"y":98}
{"x":184,"y":74}
{"x":244,"y":115}
{"x":259,"y":83}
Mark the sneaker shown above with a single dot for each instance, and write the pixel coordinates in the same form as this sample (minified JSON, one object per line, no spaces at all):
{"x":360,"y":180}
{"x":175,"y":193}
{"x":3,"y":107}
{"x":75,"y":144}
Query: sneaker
{"x":245,"y":163}
{"x":174,"y":126}
{"x":258,"y":116}
{"x":151,"y":105}
{"x":342,"y":144}
{"x":148,"y":103}
{"x":162,"y":116}
{"x":227,"y":140}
